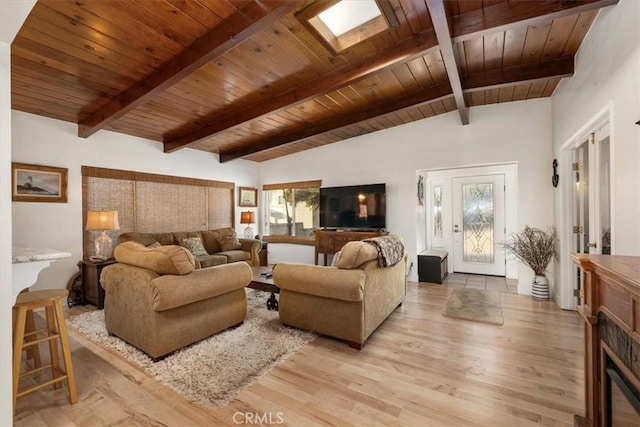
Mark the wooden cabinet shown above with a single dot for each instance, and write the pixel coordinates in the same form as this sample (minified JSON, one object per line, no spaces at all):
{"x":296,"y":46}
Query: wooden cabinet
{"x":90,"y":271}
{"x":330,"y":242}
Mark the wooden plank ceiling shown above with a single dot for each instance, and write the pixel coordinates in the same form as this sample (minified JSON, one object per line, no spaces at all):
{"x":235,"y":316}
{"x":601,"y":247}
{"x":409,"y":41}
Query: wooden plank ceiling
{"x":247,"y":79}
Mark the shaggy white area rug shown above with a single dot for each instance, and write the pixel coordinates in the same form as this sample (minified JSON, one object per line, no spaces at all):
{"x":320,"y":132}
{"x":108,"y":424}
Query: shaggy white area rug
{"x":214,"y":370}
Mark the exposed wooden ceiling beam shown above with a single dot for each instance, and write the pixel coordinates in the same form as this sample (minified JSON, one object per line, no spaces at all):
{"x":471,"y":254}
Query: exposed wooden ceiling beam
{"x":494,"y":79}
{"x":508,"y":15}
{"x":563,"y":67}
{"x":335,"y":123}
{"x":468,"y":25}
{"x":404,"y":51}
{"x":441,"y":26}
{"x":237,"y":29}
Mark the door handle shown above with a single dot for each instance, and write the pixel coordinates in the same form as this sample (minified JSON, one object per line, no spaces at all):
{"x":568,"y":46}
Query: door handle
{"x":593,"y":245}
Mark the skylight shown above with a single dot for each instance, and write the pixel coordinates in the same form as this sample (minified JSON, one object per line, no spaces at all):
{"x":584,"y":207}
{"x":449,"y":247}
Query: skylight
{"x":342,"y":24}
{"x":349,"y":14}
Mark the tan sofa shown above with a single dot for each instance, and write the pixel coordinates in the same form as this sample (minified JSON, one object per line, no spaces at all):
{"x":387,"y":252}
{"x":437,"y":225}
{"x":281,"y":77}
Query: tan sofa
{"x":157,"y":301}
{"x":348,"y":300}
{"x":248,"y":250}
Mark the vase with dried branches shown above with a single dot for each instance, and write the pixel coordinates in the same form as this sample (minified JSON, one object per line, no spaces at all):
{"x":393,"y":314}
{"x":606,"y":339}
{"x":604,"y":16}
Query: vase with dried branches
{"x":535,"y":248}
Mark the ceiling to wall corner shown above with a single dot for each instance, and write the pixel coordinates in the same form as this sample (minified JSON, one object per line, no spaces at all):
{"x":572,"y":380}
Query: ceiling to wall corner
{"x":253,"y":80}
{"x":12,"y":15}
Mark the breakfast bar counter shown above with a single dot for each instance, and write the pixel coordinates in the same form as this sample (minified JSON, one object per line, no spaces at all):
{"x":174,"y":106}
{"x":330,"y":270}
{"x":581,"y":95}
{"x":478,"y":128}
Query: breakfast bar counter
{"x":27,"y":264}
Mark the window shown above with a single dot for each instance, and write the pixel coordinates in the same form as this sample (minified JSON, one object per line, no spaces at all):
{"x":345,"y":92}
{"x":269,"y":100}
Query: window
{"x":291,"y":209}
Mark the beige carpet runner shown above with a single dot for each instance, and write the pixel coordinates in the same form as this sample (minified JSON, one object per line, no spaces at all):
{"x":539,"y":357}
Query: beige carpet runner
{"x":474,"y":304}
{"x":213,"y":371}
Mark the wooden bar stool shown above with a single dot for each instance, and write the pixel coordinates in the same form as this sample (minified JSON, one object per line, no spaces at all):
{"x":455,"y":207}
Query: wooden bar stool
{"x":24,"y":339}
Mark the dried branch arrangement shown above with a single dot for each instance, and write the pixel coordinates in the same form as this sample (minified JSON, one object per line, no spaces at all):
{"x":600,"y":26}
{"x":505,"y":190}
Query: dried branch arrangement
{"x":534,"y":247}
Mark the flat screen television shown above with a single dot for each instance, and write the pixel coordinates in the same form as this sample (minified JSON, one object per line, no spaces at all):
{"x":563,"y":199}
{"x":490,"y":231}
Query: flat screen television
{"x":358,"y":207}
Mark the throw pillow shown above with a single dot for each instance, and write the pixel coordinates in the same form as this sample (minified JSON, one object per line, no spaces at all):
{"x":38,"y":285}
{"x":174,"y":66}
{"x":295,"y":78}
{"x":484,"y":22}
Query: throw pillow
{"x":154,"y":245}
{"x":195,"y":245}
{"x":229,"y":243}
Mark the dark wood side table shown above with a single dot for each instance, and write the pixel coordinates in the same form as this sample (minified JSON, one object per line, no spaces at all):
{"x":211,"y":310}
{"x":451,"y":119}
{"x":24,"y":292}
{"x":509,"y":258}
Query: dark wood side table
{"x":264,"y":254}
{"x":90,"y":271}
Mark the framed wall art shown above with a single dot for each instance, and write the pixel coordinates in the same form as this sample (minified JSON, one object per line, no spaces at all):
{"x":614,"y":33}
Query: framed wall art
{"x":248,"y":197}
{"x":38,"y":183}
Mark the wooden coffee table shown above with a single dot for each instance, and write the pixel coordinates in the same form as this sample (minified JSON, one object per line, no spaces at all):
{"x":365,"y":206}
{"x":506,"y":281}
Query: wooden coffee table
{"x":265,"y":284}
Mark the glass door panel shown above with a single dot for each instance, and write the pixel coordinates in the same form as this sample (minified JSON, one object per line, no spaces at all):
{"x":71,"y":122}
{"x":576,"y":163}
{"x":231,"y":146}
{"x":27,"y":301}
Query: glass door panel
{"x":604,"y":190}
{"x":478,"y":225}
{"x":580,"y":171}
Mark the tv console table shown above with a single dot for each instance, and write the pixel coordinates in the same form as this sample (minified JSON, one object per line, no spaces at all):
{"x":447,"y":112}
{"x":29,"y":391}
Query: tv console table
{"x":328,"y":242}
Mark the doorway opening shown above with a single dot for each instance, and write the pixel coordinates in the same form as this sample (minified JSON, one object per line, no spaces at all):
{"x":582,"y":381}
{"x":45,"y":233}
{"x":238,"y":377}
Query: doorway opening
{"x":469,"y":212}
{"x":585,"y":209}
{"x":591,"y":199}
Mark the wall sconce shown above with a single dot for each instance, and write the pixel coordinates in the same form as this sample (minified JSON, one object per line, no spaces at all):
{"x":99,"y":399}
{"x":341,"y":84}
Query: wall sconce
{"x":248,"y":218}
{"x":555,"y":178}
{"x":102,"y":220}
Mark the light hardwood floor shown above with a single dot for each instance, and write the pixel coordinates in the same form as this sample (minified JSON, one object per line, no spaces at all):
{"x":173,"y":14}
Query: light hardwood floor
{"x":478,"y":281}
{"x":418,"y":369}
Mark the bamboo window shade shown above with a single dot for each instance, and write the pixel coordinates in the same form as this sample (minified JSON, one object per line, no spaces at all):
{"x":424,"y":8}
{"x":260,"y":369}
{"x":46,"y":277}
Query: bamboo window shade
{"x":151,"y":203}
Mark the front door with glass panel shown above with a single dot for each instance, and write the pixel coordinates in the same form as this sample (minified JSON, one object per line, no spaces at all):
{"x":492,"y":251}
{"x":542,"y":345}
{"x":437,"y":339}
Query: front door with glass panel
{"x":478,"y":225}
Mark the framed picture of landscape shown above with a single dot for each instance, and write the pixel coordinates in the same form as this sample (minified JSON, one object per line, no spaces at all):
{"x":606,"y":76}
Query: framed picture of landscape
{"x":38,"y":183}
{"x":248,"y":197}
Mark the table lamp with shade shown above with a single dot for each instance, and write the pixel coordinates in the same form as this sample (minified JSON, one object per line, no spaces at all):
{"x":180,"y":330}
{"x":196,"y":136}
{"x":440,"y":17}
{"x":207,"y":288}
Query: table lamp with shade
{"x":103,"y":221}
{"x":248,"y":218}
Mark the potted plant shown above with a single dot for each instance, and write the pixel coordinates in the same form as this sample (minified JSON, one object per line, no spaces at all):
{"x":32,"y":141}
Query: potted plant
{"x":536,"y":248}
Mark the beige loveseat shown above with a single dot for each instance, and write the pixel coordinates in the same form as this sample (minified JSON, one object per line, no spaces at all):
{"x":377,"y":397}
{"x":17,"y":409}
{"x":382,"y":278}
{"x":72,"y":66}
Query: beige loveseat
{"x":212,"y":240}
{"x":348,"y":300}
{"x":157,"y":301}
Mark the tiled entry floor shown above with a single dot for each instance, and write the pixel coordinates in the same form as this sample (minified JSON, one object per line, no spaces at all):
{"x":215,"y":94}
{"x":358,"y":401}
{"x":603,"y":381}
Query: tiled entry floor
{"x":477,"y":281}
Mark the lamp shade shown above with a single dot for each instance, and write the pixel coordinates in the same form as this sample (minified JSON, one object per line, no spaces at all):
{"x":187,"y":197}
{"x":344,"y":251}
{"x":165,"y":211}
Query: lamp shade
{"x":102,"y":220}
{"x":247,"y":217}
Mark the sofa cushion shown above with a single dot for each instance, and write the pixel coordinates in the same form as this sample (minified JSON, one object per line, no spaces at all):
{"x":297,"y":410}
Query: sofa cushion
{"x":210,"y":240}
{"x":236,"y":255}
{"x":211,"y":260}
{"x":354,"y":254}
{"x":194,"y":244}
{"x":169,"y":259}
{"x":327,"y":282}
{"x":168,"y":293}
{"x":229,"y":243}
{"x":147,"y":238}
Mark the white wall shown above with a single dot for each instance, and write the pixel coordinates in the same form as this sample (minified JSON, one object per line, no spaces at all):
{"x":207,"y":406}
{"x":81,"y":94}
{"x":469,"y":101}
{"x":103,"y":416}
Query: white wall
{"x":54,"y":143}
{"x":6,"y":294}
{"x":515,"y":132}
{"x":608,"y":75}
{"x":12,"y":15}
